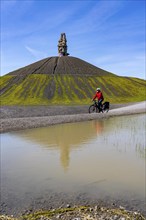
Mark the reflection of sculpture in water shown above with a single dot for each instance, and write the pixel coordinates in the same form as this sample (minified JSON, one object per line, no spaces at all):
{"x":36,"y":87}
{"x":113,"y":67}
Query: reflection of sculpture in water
{"x":72,"y":136}
{"x":65,"y":137}
{"x":64,"y":156}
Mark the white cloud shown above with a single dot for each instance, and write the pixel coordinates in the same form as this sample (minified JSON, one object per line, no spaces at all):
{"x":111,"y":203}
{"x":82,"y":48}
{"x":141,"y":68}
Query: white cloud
{"x":96,"y":16}
{"x":133,"y":66}
{"x":42,"y":22}
{"x":36,"y":53}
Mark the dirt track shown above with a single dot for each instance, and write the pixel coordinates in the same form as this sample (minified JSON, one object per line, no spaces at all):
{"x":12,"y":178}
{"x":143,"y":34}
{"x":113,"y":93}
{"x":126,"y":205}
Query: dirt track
{"x":19,"y":118}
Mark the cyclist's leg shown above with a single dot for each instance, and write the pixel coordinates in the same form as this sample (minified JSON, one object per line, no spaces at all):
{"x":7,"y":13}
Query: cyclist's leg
{"x":100,"y":104}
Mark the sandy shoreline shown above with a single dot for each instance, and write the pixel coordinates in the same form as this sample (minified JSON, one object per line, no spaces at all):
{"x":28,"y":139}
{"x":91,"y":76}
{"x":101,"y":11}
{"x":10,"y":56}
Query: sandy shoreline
{"x":17,"y":119}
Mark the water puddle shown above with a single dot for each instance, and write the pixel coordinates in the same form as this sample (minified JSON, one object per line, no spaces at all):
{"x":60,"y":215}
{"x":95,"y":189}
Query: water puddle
{"x":104,"y":158}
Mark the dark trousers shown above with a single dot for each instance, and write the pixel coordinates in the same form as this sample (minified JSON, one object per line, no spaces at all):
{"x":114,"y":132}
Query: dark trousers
{"x":100,"y":103}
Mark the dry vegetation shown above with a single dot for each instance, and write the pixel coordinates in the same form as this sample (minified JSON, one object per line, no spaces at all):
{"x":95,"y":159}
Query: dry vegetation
{"x":79,"y":213}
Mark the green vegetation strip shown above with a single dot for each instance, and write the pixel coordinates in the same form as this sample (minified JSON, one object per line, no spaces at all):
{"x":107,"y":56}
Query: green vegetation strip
{"x":42,"y":89}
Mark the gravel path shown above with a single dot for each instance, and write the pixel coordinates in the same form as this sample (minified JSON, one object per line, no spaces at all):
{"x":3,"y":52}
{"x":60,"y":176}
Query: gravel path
{"x":19,"y":118}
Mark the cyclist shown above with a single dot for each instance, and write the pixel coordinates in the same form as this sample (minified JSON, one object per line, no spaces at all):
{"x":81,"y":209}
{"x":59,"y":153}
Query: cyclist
{"x":99,"y":97}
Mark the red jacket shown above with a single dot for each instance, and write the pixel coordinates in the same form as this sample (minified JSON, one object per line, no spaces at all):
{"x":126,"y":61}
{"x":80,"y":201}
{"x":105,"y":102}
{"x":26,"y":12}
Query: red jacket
{"x":98,"y":95}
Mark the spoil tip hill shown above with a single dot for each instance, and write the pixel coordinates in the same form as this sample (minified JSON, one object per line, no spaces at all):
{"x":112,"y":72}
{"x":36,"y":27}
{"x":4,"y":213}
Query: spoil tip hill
{"x":67,"y":80}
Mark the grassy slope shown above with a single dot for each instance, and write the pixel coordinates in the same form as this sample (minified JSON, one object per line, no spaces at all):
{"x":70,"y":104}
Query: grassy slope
{"x":41,"y":89}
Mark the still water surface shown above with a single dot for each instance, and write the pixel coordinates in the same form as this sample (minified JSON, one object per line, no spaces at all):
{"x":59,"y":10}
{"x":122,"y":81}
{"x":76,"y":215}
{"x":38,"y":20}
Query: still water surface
{"x":104,"y":157}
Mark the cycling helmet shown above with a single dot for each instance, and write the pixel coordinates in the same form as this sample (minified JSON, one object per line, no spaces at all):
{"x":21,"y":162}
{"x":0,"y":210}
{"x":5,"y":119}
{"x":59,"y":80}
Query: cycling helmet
{"x":98,"y":89}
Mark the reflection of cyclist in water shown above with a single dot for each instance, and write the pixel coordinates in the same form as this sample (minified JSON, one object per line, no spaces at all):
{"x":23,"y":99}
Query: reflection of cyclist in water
{"x":99,"y":127}
{"x":100,"y":98}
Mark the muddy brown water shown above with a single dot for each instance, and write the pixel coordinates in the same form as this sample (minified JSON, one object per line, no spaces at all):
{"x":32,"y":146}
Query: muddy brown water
{"x":73,"y":163}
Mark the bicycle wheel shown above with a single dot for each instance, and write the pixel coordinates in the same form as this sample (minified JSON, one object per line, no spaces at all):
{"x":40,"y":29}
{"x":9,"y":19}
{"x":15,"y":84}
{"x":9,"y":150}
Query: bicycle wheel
{"x":92,"y":109}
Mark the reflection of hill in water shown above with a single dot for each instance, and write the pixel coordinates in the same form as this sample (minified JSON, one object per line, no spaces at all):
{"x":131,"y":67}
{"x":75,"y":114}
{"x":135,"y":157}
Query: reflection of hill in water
{"x":119,"y":131}
{"x":64,"y":137}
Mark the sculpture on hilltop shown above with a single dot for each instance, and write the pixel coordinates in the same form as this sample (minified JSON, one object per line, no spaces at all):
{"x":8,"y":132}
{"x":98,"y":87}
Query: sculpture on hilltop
{"x":62,"y":45}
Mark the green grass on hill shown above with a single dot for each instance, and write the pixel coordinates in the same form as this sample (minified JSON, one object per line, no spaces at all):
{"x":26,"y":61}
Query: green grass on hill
{"x":43,"y":89}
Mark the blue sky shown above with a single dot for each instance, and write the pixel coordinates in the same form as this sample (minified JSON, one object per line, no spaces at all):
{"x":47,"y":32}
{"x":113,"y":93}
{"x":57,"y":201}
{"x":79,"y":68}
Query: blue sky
{"x":108,"y":34}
